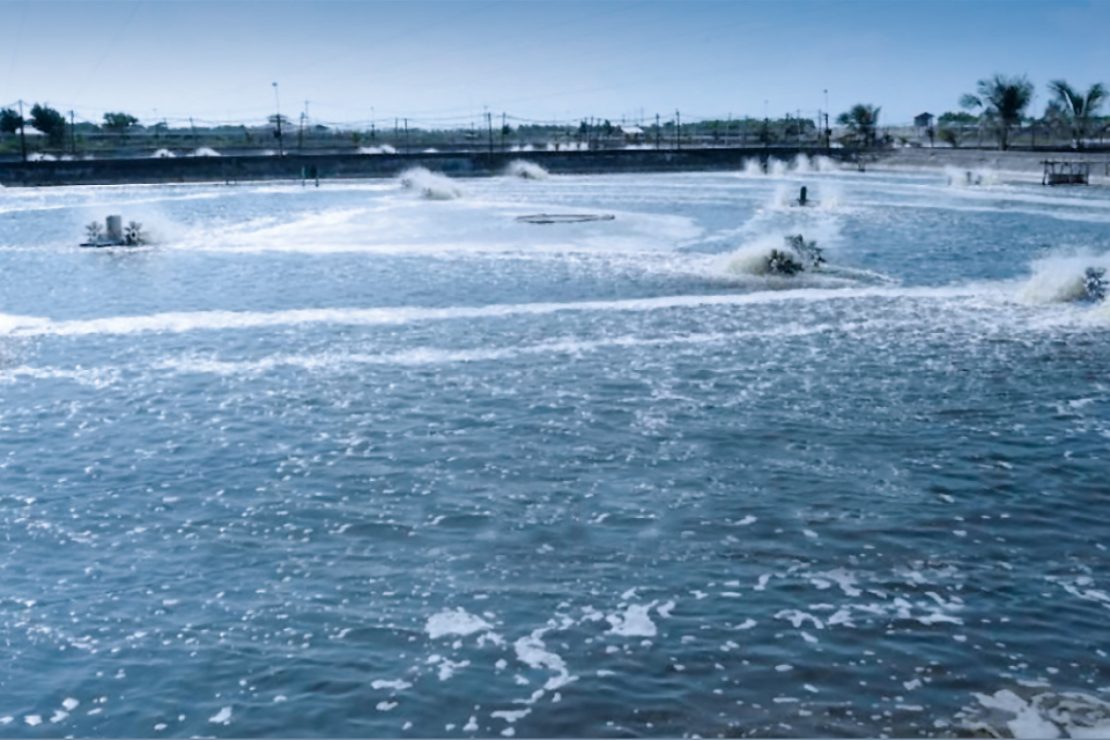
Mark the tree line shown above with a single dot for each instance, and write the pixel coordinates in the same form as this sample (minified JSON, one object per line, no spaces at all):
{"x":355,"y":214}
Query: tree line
{"x":52,"y":123}
{"x":999,"y":104}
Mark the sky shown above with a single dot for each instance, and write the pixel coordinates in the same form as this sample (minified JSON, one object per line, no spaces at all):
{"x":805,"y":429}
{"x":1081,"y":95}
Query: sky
{"x":446,"y":63}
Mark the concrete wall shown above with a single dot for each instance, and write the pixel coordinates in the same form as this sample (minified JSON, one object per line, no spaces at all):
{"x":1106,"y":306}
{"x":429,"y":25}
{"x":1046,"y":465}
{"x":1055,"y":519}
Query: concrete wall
{"x":246,"y":168}
{"x":1008,"y":161}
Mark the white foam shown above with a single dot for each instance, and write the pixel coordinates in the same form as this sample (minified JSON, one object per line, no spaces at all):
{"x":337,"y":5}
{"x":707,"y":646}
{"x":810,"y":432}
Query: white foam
{"x":92,"y":377}
{"x":533,"y":653}
{"x":842,"y":578}
{"x":222,"y":717}
{"x":180,"y":322}
{"x":1027,"y":721}
{"x":394,"y":684}
{"x":162,"y":154}
{"x":510,"y":715}
{"x":455,"y":621}
{"x":205,"y":151}
{"x":445,"y":668}
{"x":634,"y":622}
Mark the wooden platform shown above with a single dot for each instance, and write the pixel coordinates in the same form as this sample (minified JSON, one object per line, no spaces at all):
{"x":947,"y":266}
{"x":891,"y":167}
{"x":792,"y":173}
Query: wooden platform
{"x":1060,"y":172}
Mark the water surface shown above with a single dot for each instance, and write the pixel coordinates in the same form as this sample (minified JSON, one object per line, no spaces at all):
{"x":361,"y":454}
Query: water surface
{"x":349,"y":462}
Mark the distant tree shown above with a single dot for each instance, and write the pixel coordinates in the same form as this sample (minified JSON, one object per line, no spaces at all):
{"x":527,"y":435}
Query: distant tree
{"x":1003,"y":101}
{"x":950,"y":136}
{"x":50,"y":122}
{"x":862,"y":120}
{"x":119,"y":122}
{"x":959,"y":118}
{"x":1077,"y":109}
{"x":9,"y":121}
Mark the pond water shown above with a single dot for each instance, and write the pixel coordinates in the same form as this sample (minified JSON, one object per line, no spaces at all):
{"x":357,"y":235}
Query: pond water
{"x":352,"y":461}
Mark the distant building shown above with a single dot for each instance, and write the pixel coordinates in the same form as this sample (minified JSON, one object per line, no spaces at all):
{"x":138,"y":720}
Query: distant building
{"x":632,"y":134}
{"x":923,"y":122}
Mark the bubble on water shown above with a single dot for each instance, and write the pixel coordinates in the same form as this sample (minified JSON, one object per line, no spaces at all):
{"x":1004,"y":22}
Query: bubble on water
{"x":222,"y":717}
{"x":455,"y":621}
{"x":634,"y":622}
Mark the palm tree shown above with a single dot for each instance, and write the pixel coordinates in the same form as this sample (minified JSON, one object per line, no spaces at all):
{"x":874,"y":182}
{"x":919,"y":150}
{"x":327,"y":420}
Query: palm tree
{"x":862,"y":120}
{"x":1077,"y":109}
{"x":1003,"y":100}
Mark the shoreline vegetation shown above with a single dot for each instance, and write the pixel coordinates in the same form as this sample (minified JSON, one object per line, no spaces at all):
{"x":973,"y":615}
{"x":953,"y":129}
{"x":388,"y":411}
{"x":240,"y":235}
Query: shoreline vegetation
{"x":121,"y":150}
{"x":997,"y":113}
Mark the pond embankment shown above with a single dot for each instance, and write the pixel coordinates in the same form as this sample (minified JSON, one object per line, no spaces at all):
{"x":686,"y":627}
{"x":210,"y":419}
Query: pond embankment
{"x":456,"y":164}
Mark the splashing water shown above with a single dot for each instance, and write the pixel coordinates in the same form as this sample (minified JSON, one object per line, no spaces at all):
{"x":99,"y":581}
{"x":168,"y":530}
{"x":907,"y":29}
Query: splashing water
{"x":752,"y":168}
{"x":756,"y":257}
{"x":526,"y":170}
{"x":1062,"y":277}
{"x":162,"y":154}
{"x":804,"y":164}
{"x":430,"y":185}
{"x":959,"y":177}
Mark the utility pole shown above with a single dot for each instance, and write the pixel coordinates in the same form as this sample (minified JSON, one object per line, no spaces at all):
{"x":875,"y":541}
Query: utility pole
{"x":828,"y":131}
{"x":502,"y":130}
{"x":194,"y":130}
{"x":658,"y":131}
{"x":304,"y":122}
{"x":677,"y":129}
{"x":72,"y":136}
{"x":489,"y":126}
{"x":408,"y":147}
{"x":22,"y":136}
{"x":277,"y":108}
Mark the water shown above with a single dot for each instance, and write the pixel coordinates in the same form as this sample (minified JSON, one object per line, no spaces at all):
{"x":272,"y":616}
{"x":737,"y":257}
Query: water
{"x":349,"y":461}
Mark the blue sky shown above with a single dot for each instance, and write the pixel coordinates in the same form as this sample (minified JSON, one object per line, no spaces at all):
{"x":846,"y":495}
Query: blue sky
{"x":444,"y":63}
